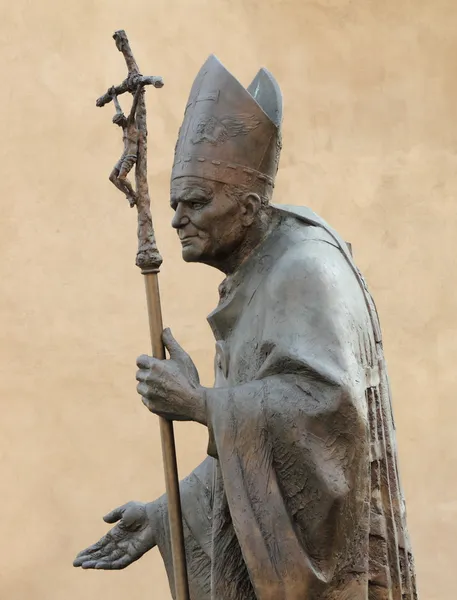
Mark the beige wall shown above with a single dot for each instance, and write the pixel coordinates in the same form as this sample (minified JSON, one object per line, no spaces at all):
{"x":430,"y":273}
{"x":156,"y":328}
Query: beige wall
{"x":370,"y":142}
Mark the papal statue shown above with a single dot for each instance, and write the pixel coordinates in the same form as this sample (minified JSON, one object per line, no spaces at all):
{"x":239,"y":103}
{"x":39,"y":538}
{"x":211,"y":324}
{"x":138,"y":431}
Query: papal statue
{"x":299,"y":496}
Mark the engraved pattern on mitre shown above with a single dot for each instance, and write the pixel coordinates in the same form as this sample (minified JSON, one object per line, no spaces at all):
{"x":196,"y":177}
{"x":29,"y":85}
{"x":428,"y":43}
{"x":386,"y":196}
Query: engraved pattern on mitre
{"x":216,"y":130}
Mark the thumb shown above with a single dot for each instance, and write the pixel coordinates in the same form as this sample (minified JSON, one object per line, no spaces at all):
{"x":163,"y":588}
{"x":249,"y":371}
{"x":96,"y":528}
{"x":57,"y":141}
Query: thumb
{"x":180,"y":356}
{"x":174,"y":349}
{"x":115,"y":515}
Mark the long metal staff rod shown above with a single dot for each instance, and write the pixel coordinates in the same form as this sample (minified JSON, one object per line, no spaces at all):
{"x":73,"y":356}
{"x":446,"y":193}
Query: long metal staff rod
{"x":149,"y":260}
{"x":168,"y":447}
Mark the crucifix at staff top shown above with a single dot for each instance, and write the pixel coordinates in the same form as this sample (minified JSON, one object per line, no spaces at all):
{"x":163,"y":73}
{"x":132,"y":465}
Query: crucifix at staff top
{"x":131,"y":129}
{"x":135,"y":151}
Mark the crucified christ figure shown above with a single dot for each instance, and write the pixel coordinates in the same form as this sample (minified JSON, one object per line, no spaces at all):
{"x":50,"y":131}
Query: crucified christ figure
{"x":129,"y":156}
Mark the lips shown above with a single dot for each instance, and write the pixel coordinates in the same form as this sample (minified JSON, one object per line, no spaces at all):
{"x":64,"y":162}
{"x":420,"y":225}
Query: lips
{"x":187,"y":239}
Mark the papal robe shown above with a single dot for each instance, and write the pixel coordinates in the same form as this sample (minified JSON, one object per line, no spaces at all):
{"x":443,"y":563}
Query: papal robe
{"x":299,"y":497}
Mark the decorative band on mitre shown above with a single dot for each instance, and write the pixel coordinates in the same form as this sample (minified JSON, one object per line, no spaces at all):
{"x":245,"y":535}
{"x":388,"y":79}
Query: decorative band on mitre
{"x":218,"y":170}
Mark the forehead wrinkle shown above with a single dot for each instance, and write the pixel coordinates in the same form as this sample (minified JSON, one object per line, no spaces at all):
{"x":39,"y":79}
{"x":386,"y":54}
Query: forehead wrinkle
{"x":194,"y":192}
{"x":191,"y":191}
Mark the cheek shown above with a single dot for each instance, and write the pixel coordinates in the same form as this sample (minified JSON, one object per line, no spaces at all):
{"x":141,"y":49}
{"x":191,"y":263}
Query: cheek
{"x":221,"y":222}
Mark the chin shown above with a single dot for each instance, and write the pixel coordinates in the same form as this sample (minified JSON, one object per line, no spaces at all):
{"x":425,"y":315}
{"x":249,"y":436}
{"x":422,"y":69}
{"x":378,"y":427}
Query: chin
{"x":191,"y":254}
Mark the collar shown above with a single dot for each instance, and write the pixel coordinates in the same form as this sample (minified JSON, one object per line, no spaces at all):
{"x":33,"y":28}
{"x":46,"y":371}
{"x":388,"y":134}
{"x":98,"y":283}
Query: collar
{"x":238,"y":289}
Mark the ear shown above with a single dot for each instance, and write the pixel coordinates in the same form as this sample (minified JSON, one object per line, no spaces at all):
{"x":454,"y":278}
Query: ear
{"x":250,"y":207}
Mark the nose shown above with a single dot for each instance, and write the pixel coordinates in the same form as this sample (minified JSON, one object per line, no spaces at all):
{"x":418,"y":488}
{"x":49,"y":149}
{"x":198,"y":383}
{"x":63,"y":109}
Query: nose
{"x":180,"y":219}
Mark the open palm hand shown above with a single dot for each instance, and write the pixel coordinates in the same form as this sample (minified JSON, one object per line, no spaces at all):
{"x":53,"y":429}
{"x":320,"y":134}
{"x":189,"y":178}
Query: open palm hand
{"x":132,"y":536}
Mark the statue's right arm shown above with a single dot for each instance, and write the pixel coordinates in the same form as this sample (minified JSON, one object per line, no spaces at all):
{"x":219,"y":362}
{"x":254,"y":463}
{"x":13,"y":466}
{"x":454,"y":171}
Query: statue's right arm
{"x":140,"y":527}
{"x":196,"y":492}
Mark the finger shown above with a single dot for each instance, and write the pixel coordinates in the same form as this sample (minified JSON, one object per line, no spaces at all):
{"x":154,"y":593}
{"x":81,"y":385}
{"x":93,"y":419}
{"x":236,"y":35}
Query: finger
{"x":115,"y":555}
{"x":142,"y":375}
{"x":115,"y":514}
{"x":149,"y":405}
{"x":88,"y":551}
{"x":106,"y":561}
{"x":144,"y":361}
{"x":121,"y":563}
{"x":104,"y":541}
{"x":162,"y":412}
{"x":94,"y":556}
{"x":168,"y":339}
{"x":143,"y":389}
{"x":79,"y":561}
{"x":174,"y":349}
{"x":134,"y":516}
{"x":84,"y":560}
{"x":180,"y":356}
{"x":89,"y":564}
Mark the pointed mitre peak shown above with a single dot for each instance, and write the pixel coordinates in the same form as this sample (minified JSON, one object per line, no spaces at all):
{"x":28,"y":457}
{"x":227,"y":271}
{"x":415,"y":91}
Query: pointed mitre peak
{"x":230,"y":133}
{"x":264,"y":88}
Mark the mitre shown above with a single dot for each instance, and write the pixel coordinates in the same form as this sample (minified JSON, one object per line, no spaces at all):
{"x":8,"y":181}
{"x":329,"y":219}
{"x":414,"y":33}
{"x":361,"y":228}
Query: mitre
{"x":230,"y":133}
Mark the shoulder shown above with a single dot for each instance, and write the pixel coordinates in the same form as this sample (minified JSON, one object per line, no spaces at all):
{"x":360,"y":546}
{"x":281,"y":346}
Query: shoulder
{"x":314,"y":256}
{"x":315,"y":267}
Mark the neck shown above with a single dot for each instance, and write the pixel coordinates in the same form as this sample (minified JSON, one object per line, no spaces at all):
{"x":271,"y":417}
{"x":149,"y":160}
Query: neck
{"x":255,"y":235}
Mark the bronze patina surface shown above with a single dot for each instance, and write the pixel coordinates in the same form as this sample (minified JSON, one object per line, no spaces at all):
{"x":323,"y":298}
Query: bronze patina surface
{"x":299,"y":496}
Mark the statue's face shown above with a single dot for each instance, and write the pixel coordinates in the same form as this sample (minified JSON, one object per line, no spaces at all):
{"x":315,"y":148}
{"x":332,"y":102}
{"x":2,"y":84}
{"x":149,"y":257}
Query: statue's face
{"x":209,"y":222}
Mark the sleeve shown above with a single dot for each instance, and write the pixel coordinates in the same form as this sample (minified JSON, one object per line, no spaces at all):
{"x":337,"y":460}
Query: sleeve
{"x":291,"y":443}
{"x":196,"y":500}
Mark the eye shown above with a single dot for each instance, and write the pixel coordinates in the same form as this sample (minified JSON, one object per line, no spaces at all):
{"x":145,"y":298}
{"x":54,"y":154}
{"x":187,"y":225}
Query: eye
{"x":196,"y":205}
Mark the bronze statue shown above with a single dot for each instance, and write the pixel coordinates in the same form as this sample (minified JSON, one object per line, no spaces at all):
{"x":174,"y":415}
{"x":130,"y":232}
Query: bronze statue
{"x":299,"y":497}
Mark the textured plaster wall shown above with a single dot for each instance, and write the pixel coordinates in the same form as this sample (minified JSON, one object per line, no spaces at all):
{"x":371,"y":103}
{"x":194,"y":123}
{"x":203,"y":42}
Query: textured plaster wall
{"x":370,"y":142}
